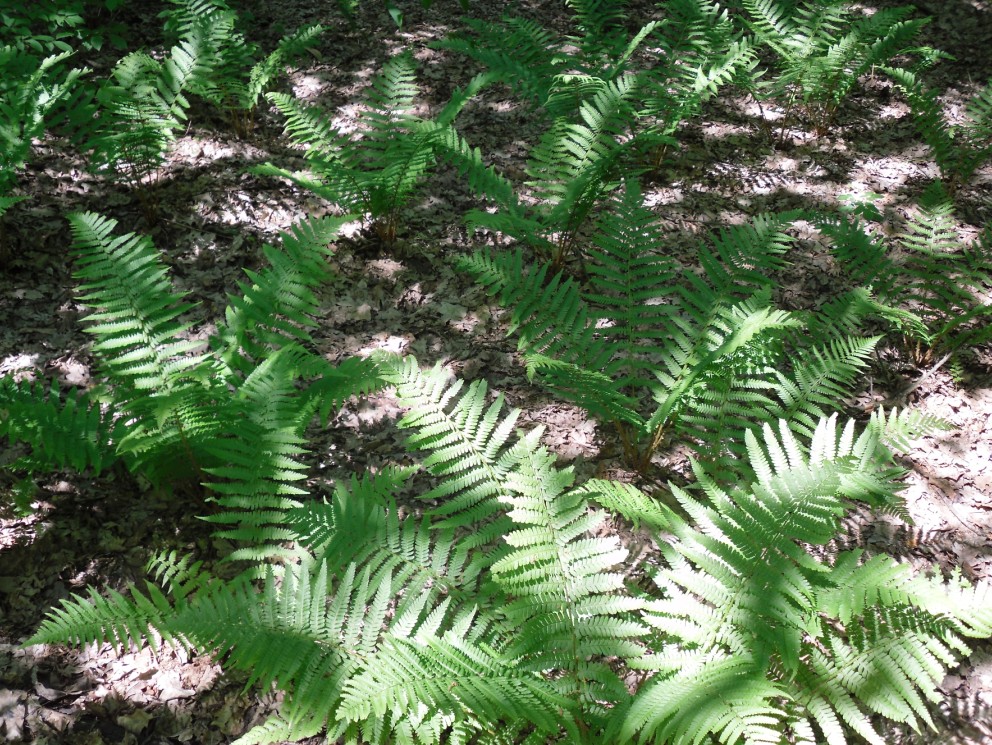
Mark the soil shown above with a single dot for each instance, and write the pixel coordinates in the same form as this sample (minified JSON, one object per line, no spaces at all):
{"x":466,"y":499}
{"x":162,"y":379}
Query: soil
{"x":213,"y":218}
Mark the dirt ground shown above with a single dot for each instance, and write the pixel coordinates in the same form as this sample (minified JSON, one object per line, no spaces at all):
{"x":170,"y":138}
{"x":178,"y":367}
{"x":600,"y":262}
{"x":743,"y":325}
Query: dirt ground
{"x":214,"y":218}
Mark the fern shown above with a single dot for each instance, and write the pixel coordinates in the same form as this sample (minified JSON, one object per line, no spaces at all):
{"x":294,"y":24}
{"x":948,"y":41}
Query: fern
{"x":929,"y":286}
{"x":228,"y":414}
{"x":824,"y":47}
{"x":553,"y":72}
{"x":701,"y":52}
{"x":573,"y":170}
{"x":30,"y":92}
{"x":661,"y":353}
{"x":237,"y":79}
{"x":468,"y":444}
{"x":768,"y":641}
{"x":130,"y":121}
{"x":959,"y":150}
{"x":378,"y":174}
{"x":63,"y":432}
{"x":389,"y":629}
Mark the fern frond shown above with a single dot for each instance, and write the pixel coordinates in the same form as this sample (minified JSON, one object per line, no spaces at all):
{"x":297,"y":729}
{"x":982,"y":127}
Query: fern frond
{"x":627,"y":501}
{"x":279,"y":305}
{"x":361,"y":525}
{"x":135,"y":318}
{"x":142,"y":114}
{"x":518,"y":52}
{"x":259,"y":464}
{"x":467,"y":444}
{"x":70,"y":432}
{"x":726,"y":697}
{"x":820,"y":378}
{"x":746,"y":257}
{"x":464,"y":682}
{"x":812,"y":644}
{"x":566,"y":601}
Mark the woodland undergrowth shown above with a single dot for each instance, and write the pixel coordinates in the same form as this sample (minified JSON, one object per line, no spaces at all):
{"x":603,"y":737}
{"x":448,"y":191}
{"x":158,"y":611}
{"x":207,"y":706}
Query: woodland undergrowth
{"x":499,"y":610}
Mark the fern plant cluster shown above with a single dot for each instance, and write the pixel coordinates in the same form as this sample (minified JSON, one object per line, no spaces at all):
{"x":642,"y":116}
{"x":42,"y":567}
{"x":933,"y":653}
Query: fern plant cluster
{"x":30,"y":91}
{"x":502,"y":609}
{"x":497,"y":616}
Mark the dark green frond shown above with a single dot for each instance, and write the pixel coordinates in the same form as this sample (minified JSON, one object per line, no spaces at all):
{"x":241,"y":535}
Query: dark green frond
{"x":278,"y":306}
{"x":71,"y":431}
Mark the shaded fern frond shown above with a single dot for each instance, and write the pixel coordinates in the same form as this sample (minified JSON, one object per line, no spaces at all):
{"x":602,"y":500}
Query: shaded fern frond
{"x":140,"y":113}
{"x":377,"y":172}
{"x":824,"y":47}
{"x":70,"y":432}
{"x":958,"y":150}
{"x":464,"y":683}
{"x":279,"y":305}
{"x":260,"y":462}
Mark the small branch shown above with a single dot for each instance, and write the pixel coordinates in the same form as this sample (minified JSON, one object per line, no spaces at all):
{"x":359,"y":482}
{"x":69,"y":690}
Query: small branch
{"x":903,"y":395}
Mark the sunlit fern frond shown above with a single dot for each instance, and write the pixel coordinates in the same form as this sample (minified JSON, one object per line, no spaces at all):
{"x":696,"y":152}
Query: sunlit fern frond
{"x":793,"y":640}
{"x":467,"y":444}
{"x":136,"y":313}
{"x":361,"y":524}
{"x":567,"y":598}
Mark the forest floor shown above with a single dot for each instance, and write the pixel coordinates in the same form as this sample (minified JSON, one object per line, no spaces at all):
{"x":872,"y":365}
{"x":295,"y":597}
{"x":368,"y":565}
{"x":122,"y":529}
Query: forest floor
{"x":214,"y":218}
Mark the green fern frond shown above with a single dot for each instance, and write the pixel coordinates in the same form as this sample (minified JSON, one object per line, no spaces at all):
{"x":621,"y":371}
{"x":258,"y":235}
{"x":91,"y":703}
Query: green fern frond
{"x":746,"y":257}
{"x":958,"y":150}
{"x":136,"y":312}
{"x":467,"y":444}
{"x":578,"y":163}
{"x":711,"y":375}
{"x":31,"y":95}
{"x":378,"y":172}
{"x":566,"y":601}
{"x":627,"y":501}
{"x":812,"y":644}
{"x":901,"y":426}
{"x":360,"y":524}
{"x":518,"y":52}
{"x":824,"y":47}
{"x":73,"y":431}
{"x":279,"y":305}
{"x":702,"y":51}
{"x":725,"y":697}
{"x":630,"y":285}
{"x":260,"y":463}
{"x":140,"y":115}
{"x":820,"y":378}
{"x":463,"y":682}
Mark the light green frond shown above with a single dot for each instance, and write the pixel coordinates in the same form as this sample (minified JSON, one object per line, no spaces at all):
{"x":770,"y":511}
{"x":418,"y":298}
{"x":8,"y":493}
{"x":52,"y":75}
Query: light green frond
{"x":259,"y":464}
{"x":567,"y":602}
{"x":628,"y":501}
{"x":466,"y":683}
{"x":135,"y":314}
{"x":723,"y":697}
{"x":360,"y":524}
{"x":467,"y":444}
